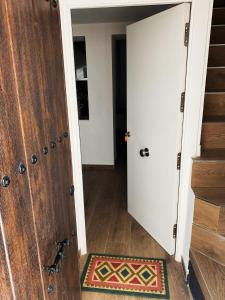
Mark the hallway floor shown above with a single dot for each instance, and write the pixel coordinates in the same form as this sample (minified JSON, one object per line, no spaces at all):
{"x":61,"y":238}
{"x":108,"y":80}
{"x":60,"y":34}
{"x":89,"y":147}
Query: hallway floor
{"x":110,"y":229}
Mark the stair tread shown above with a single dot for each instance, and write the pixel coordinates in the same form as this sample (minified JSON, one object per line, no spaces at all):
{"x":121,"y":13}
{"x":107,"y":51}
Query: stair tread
{"x":218,"y":25}
{"x":211,"y":275}
{"x":216,"y":196}
{"x":213,"y":93}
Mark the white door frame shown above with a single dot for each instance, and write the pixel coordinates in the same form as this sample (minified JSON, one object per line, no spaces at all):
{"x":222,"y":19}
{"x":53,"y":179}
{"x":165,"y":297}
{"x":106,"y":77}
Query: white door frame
{"x":200,"y":26}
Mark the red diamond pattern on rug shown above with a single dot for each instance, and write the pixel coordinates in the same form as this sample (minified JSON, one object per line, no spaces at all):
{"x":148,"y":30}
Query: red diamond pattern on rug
{"x":125,"y":275}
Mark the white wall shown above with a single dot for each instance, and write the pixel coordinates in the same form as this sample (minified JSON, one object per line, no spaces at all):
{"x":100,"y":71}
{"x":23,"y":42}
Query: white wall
{"x":96,"y":134}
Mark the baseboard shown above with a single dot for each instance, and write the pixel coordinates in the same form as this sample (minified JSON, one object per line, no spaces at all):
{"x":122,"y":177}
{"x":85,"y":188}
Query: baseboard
{"x":98,"y":167}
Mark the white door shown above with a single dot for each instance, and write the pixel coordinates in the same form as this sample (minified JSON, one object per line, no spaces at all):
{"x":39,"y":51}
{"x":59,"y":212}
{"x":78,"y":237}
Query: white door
{"x":156,"y":70}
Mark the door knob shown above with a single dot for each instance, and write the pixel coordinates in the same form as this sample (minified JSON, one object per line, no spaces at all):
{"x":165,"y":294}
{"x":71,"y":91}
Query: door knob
{"x":127,"y":135}
{"x":144,"y":152}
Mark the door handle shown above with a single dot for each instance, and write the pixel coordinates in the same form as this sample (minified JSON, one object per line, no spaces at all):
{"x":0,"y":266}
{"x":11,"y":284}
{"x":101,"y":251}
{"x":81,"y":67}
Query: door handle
{"x":54,"y":268}
{"x":127,"y":135}
{"x":144,"y":152}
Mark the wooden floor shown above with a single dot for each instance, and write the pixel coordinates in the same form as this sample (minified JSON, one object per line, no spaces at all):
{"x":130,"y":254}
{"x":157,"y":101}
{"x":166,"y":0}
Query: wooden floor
{"x":110,"y":229}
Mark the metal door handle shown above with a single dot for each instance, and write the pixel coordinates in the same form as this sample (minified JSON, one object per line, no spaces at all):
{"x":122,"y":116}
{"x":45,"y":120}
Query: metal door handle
{"x":144,"y":152}
{"x":54,"y":268}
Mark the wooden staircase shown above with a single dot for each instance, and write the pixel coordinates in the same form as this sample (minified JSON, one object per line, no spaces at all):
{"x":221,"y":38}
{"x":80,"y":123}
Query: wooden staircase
{"x":208,"y":175}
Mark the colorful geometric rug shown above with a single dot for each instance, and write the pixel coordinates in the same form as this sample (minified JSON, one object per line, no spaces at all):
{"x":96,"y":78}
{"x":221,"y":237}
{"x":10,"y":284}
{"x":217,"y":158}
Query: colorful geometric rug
{"x":134,"y":276}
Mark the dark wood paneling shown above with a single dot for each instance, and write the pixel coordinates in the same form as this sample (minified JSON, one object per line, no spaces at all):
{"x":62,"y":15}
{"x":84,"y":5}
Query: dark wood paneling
{"x":50,"y":41}
{"x":216,"y":56}
{"x":215,"y":81}
{"x":15,"y":202}
{"x":31,"y":95}
{"x":217,"y":35}
{"x":37,"y":57}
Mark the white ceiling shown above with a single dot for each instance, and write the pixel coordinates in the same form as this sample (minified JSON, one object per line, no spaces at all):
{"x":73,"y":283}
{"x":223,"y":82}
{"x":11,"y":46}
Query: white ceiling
{"x":115,"y":14}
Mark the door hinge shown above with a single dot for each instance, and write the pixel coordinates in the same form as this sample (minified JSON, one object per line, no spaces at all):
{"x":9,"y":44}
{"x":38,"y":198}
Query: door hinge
{"x":182,"y":102}
{"x":178,"y":160}
{"x":186,"y":34}
{"x":175,"y":231}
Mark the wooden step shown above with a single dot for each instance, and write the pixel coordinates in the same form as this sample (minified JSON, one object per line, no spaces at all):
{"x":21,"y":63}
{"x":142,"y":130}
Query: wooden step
{"x":214,"y":105}
{"x":213,"y":135}
{"x":215,"y":81}
{"x":210,"y":216}
{"x":218,"y":16}
{"x":210,"y":275}
{"x":217,"y":34}
{"x":219,"y":3}
{"x":208,"y":243}
{"x":216,"y":56}
{"x":208,"y":172}
{"x":214,"y":196}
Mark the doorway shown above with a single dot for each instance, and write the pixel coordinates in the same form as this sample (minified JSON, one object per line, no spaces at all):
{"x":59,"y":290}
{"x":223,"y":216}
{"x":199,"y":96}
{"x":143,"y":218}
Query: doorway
{"x":119,"y":70}
{"x":196,"y":75}
{"x":155,"y":72}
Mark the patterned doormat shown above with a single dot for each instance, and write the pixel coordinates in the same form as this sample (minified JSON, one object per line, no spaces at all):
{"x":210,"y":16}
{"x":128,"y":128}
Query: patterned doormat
{"x":125,"y":275}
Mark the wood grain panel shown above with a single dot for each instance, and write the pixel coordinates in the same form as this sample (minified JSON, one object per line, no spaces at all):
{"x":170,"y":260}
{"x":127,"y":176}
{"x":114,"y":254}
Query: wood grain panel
{"x":216,"y":56}
{"x":218,"y":16}
{"x":215,"y":81}
{"x":208,"y":243}
{"x":217,"y":35}
{"x":213,"y":135}
{"x":50,"y":39}
{"x":211,"y":276}
{"x":29,"y":80}
{"x":214,"y":105}
{"x":206,"y":214}
{"x":35,"y":30}
{"x":208,"y":174}
{"x":6,"y":289}
{"x":15,"y":201}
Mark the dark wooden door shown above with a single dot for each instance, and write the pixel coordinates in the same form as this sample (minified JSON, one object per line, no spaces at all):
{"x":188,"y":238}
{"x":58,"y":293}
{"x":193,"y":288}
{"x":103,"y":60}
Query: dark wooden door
{"x":36,"y":135}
